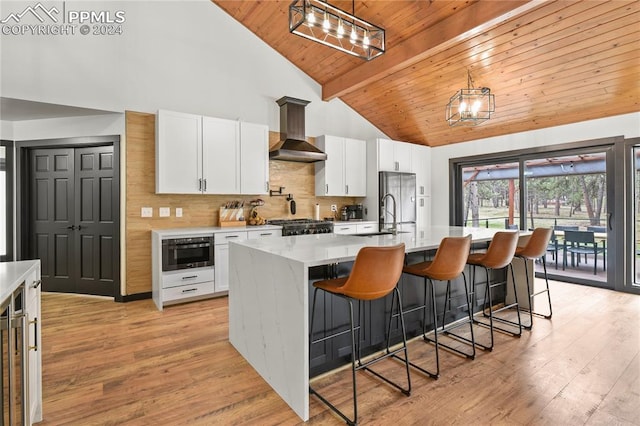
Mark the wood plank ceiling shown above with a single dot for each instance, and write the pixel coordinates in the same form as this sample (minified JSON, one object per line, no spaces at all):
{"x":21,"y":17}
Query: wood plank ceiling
{"x":547,"y":62}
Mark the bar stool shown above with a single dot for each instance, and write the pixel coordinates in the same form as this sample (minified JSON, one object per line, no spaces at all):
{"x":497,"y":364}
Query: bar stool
{"x":447,"y":264}
{"x":536,"y":248}
{"x":499,"y":255}
{"x":374,"y":275}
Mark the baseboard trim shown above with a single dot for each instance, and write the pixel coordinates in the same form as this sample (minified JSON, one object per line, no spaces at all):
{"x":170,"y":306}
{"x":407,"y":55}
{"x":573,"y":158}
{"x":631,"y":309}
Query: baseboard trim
{"x":132,"y":297}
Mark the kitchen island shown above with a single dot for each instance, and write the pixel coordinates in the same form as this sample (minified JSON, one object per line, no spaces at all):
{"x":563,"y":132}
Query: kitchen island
{"x":269,"y":297}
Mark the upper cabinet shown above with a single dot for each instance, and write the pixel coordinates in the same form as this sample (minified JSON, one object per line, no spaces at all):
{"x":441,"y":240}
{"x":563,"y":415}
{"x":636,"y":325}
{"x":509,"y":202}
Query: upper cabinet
{"x":206,"y":155}
{"x":343,"y":173}
{"x":394,"y":156}
{"x":421,"y":166}
{"x":221,"y":156}
{"x":178,"y":153}
{"x":254,"y":156}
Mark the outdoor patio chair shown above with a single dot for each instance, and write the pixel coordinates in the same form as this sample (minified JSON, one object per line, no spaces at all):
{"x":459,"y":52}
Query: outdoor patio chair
{"x":582,"y":242}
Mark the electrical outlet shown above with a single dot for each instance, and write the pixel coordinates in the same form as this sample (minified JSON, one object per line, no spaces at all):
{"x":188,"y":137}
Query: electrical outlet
{"x":165,"y":211}
{"x":334,"y":208}
{"x":146,"y":212}
{"x":178,"y":211}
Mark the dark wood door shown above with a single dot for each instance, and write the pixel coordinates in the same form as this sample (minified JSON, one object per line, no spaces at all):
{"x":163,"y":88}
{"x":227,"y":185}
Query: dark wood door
{"x":73,"y":219}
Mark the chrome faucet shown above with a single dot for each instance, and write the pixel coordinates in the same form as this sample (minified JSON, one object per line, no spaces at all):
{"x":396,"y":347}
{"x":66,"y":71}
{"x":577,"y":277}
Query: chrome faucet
{"x":393,"y":230}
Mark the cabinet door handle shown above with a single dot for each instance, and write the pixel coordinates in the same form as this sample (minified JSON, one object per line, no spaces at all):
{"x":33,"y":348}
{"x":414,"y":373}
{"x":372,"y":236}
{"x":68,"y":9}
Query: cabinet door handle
{"x":200,"y":185}
{"x":36,"y":284}
{"x":326,"y":189}
{"x":231,"y":236}
{"x":397,"y":165}
{"x":188,"y":290}
{"x":35,"y":335}
{"x":346,"y":189}
{"x":266,"y":186}
{"x":189,"y":277}
{"x":266,"y":234}
{"x":205,"y":185}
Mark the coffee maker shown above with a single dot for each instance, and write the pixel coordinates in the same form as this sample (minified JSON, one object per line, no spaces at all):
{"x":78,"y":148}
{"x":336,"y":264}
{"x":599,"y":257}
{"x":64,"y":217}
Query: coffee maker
{"x":354,"y":211}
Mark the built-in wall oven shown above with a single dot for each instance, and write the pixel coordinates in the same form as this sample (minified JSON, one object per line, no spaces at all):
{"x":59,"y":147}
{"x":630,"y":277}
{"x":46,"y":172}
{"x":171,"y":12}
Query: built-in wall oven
{"x":186,"y":253}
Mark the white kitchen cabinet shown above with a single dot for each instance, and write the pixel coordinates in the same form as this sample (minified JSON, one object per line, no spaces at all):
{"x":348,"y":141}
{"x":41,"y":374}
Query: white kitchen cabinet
{"x":345,"y":228}
{"x":423,"y":212}
{"x":254,"y":158}
{"x":207,"y":155}
{"x":221,"y":156}
{"x":33,"y":326}
{"x":351,"y":228}
{"x":366,"y":227}
{"x":343,"y":173}
{"x":263,"y":233}
{"x":421,"y":166}
{"x":20,"y":343}
{"x":393,"y":156}
{"x":221,"y":256}
{"x":178,"y":153}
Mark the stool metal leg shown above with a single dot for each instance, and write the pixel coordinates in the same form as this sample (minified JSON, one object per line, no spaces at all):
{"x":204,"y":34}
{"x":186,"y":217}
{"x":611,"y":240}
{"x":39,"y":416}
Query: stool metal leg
{"x":493,"y":319}
{"x":356,"y":361}
{"x":532,"y":294}
{"x":449,"y":332}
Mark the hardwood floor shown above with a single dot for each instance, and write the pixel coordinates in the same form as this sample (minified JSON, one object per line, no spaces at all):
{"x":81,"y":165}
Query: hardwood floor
{"x":106,"y":363}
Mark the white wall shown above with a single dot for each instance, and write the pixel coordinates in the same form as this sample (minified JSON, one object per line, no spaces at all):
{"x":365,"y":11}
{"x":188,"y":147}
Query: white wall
{"x":627,"y":125}
{"x":6,"y":130}
{"x":179,"y":55}
{"x":53,"y":128}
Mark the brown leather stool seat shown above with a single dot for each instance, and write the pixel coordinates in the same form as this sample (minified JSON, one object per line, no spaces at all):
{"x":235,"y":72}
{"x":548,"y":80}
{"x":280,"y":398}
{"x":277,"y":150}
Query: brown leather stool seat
{"x":447,"y":264}
{"x":498,"y":256}
{"x":375,"y":274}
{"x":536,"y":248}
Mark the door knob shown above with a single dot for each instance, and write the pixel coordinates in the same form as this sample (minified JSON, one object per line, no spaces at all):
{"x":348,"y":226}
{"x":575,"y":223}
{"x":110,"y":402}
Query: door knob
{"x":72,"y":227}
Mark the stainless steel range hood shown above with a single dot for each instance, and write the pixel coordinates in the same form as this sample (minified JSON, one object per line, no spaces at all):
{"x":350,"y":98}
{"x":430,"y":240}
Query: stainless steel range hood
{"x":293,"y":145}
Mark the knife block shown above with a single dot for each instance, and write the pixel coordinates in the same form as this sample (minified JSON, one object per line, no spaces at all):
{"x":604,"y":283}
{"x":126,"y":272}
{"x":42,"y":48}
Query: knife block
{"x":231,"y":217}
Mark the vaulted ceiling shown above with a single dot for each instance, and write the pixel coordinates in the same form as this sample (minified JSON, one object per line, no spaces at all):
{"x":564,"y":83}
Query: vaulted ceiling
{"x":547,"y":62}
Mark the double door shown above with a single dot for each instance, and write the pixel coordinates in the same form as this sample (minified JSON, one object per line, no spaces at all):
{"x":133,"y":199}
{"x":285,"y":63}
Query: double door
{"x":73,"y":218}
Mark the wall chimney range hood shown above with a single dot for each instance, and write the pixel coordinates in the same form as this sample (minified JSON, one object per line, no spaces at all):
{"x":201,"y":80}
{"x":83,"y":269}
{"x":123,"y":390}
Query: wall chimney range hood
{"x":293,"y":145}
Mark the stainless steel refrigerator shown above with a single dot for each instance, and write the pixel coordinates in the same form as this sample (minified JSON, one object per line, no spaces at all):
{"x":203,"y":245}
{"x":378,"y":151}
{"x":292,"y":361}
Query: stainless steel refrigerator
{"x":403,"y":188}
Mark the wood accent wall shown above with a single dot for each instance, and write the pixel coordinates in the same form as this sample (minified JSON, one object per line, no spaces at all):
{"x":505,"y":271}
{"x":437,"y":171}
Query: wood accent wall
{"x":198,"y":210}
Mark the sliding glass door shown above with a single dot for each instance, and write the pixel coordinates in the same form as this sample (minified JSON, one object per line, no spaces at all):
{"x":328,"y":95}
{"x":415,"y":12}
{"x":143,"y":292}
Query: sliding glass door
{"x":569,"y":188}
{"x":568,"y":193}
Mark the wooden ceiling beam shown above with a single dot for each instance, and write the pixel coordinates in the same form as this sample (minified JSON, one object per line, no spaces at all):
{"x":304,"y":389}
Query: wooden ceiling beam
{"x":470,"y":21}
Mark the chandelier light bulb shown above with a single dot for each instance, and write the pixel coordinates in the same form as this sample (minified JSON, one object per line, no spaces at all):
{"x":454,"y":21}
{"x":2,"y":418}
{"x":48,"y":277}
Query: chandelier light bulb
{"x":365,"y":39}
{"x":340,"y":29}
{"x":311,"y":18}
{"x":326,"y":25}
{"x":354,"y":35}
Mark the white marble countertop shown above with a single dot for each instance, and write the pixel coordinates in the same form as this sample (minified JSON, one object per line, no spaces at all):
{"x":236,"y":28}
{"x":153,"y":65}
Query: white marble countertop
{"x":322,"y":249}
{"x":186,"y":232}
{"x":12,"y":274}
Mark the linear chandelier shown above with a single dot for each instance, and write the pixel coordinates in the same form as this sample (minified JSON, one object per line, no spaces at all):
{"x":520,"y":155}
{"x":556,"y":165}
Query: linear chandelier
{"x":317,"y":20}
{"x":470,"y":106}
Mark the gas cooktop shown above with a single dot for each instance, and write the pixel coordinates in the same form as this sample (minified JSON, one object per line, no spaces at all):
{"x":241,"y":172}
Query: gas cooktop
{"x":303,"y":226}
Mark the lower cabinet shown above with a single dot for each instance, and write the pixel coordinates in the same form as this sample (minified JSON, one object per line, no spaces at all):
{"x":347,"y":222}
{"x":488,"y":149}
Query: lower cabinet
{"x":221,"y":251}
{"x":34,"y":346}
{"x":21,"y":354}
{"x":351,"y":228}
{"x":186,"y":284}
{"x":221,"y":256}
